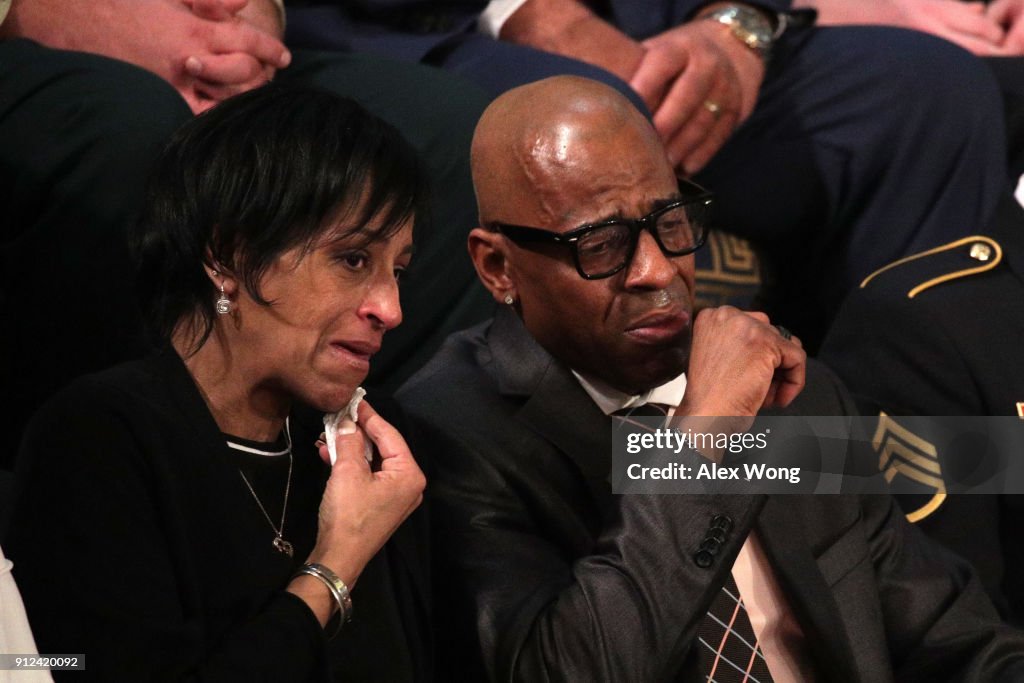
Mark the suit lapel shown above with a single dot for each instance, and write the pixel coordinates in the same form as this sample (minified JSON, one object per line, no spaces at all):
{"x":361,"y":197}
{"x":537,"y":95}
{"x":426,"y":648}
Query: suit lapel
{"x":810,"y":598}
{"x":556,"y":407}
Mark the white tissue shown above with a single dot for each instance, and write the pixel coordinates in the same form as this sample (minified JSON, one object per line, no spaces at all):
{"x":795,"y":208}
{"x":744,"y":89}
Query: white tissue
{"x":331,"y":421}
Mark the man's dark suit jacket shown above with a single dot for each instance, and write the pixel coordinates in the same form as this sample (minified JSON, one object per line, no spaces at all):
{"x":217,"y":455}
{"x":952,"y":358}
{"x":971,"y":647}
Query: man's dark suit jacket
{"x":557,"y":579}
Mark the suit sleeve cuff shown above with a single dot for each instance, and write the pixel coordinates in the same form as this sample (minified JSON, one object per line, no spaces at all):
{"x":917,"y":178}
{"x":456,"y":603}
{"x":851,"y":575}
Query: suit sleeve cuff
{"x":494,"y":16}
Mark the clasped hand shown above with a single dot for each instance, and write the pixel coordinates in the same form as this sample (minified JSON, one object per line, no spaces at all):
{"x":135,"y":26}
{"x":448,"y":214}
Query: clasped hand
{"x":236,"y":47}
{"x":739,"y":364}
{"x":700,"y":82}
{"x":208,"y":50}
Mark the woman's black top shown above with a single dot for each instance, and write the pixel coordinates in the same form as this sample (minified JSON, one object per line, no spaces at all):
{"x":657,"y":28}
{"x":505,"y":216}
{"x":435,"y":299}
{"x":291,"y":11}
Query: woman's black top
{"x":137,"y":543}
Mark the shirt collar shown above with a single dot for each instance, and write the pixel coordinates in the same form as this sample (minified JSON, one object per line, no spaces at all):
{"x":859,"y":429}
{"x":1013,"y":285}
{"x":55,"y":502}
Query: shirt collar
{"x":610,"y":400}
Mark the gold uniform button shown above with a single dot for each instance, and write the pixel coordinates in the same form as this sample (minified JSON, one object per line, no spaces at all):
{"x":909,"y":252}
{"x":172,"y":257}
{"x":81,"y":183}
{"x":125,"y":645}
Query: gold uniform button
{"x":981,"y":251}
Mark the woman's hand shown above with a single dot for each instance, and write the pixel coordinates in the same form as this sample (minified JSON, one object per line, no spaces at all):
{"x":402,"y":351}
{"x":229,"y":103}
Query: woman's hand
{"x":361,"y":508}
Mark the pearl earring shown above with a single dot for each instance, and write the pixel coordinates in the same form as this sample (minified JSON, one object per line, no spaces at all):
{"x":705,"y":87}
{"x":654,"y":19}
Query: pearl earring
{"x":509,"y":300}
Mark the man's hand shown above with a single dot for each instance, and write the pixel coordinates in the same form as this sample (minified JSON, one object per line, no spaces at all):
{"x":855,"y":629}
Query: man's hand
{"x":1008,"y":14}
{"x":205,"y":58}
{"x":701,"y":83}
{"x":682,"y":74}
{"x":219,"y":76}
{"x":965,"y":23}
{"x":740,"y":364}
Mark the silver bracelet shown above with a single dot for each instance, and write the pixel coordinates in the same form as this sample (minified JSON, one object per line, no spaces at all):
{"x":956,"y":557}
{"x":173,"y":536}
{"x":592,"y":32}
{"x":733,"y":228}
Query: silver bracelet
{"x":337,"y":588}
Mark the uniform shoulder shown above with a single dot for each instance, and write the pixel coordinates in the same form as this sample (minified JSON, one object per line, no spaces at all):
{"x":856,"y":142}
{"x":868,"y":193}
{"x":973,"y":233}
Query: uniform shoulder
{"x":959,"y":260}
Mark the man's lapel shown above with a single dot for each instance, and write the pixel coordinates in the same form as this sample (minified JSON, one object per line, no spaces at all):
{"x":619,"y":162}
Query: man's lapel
{"x":556,"y":407}
{"x":810,"y":598}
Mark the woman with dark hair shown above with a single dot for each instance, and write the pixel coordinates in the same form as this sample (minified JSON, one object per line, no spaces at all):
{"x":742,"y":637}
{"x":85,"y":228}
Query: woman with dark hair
{"x":176,"y":522}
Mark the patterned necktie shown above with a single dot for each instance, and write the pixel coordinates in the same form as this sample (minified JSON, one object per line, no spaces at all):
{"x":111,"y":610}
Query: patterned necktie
{"x":729,"y":651}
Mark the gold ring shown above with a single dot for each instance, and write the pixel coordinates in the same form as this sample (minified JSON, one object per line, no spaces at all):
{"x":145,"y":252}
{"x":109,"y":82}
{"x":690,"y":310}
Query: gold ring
{"x":713,"y":107}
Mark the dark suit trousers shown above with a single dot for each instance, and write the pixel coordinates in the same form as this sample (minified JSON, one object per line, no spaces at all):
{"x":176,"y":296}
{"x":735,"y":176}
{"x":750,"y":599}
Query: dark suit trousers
{"x":78,"y":134}
{"x":1009,"y":73}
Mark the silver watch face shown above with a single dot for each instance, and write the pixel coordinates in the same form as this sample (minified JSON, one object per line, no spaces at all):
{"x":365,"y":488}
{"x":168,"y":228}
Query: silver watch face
{"x":747,"y":24}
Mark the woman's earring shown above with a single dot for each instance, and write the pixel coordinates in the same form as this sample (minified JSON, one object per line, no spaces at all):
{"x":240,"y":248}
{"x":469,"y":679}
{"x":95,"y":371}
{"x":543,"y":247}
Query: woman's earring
{"x":509,"y":300}
{"x":223,"y":303}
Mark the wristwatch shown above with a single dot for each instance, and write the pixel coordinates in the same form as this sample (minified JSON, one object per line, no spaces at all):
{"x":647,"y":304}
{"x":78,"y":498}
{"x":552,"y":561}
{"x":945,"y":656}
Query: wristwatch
{"x":752,"y":27}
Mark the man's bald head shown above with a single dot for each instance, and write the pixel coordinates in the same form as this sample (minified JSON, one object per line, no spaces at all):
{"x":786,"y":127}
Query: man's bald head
{"x":535,"y":139}
{"x":568,"y":154}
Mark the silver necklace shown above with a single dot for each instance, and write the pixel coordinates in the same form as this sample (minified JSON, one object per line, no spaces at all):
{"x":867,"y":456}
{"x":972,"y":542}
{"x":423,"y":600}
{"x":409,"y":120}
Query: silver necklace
{"x":280,"y":544}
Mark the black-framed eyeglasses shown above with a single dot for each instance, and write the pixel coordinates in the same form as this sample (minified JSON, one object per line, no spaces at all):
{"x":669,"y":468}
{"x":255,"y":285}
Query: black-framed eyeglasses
{"x":602,"y":249}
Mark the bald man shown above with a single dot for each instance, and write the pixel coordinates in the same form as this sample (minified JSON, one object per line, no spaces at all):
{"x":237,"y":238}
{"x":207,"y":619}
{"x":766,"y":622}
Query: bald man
{"x":587,"y":240}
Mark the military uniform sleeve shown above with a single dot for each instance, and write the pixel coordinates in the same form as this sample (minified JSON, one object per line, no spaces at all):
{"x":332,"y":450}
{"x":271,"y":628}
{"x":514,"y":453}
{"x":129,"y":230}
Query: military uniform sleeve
{"x":939,"y":624}
{"x":892,"y":353}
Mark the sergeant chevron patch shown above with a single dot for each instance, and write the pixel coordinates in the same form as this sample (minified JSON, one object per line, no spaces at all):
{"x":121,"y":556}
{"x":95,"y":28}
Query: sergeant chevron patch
{"x":911,"y":466}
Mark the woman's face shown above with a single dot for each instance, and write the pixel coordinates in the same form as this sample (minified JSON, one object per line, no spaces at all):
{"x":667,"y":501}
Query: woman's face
{"x":329,"y":311}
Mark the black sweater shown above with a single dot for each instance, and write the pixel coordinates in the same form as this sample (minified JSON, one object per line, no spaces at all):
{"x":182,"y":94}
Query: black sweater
{"x":137,"y":543}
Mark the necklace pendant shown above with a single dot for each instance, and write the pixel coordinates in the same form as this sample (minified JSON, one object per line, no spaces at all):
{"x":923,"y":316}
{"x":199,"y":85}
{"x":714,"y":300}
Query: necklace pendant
{"x":284,"y":546}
